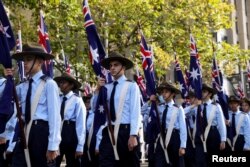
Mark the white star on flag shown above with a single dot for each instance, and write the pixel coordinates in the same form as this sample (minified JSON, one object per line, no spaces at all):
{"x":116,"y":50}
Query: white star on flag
{"x":101,"y":109}
{"x":94,"y":54}
{"x":181,"y":87}
{"x":149,"y":119}
{"x":194,"y":74}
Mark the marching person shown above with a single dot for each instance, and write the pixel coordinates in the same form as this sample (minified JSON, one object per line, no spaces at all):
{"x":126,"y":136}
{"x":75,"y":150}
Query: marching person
{"x":170,"y":151}
{"x":190,"y":120}
{"x":90,"y":157}
{"x":123,"y":98}
{"x":40,"y":103}
{"x":239,"y":122}
{"x":212,"y":135}
{"x":245,"y":105}
{"x":73,"y":115}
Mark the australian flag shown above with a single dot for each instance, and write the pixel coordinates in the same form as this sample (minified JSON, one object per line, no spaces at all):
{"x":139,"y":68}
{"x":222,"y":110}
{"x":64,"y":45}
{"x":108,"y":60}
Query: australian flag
{"x":195,"y":81}
{"x":96,"y":55}
{"x":217,"y":80}
{"x":153,"y":127}
{"x":20,"y":64}
{"x":7,"y":42}
{"x":180,"y":79}
{"x":240,"y":91}
{"x":44,"y":42}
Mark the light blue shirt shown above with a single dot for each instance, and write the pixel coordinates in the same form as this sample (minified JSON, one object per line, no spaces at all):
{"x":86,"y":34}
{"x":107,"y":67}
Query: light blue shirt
{"x":48,"y":108}
{"x":90,"y":120}
{"x":75,"y":110}
{"x":179,"y":124}
{"x":245,"y":126}
{"x":218,"y":119}
{"x":131,"y":108}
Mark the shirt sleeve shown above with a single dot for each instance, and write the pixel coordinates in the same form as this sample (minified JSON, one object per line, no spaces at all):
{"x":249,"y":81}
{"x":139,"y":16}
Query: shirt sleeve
{"x":183,"y":129}
{"x":247,"y":132}
{"x":221,"y":124}
{"x":80,"y":124}
{"x":54,"y":118}
{"x":135,"y":109}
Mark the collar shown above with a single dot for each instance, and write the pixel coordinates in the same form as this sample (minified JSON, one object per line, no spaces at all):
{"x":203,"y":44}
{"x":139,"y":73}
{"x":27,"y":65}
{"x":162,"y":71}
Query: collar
{"x":208,"y":102}
{"x":237,"y":112}
{"x":170,"y":103}
{"x":121,"y":79}
{"x":68,"y":95}
{"x":36,"y":78}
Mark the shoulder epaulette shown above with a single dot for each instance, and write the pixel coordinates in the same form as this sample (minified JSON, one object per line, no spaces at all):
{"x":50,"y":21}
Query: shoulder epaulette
{"x":44,"y":77}
{"x":176,"y":105}
{"x":129,"y":80}
{"x":76,"y":94}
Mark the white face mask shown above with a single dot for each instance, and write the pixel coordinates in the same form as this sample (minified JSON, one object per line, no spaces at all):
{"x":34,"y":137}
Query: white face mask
{"x":161,"y":99}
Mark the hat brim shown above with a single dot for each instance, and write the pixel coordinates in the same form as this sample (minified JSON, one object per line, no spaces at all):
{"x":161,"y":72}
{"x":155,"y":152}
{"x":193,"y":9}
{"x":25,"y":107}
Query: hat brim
{"x":234,"y":100}
{"x":77,"y":84}
{"x":176,"y":91}
{"x":211,"y":90}
{"x":126,"y":62}
{"x":20,"y":56}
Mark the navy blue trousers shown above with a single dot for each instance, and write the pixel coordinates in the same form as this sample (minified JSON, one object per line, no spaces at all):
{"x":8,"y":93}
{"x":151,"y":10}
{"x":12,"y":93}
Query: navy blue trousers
{"x":127,"y":158}
{"x":68,"y":145}
{"x":213,"y":147}
{"x":173,"y":152}
{"x":38,"y":145}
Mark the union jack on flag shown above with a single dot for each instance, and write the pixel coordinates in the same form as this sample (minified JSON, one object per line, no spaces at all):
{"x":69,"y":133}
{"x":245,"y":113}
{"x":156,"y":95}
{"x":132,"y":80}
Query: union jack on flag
{"x":87,"y":89}
{"x":140,"y":82}
{"x":45,"y":43}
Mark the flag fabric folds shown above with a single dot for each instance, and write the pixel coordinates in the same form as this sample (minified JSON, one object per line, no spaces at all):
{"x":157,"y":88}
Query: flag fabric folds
{"x":153,"y":127}
{"x":20,"y":64}
{"x":240,"y":91}
{"x":96,"y":55}
{"x":7,"y":42}
{"x":45,"y":43}
{"x":217,"y":82}
{"x":183,"y":86}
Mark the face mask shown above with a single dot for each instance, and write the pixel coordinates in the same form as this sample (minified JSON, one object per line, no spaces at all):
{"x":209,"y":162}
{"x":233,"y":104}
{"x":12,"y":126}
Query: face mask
{"x":161,"y":99}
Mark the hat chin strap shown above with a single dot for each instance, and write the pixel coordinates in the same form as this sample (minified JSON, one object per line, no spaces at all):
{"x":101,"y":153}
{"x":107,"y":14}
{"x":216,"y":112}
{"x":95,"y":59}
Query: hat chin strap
{"x":118,"y":72}
{"x":28,"y":73}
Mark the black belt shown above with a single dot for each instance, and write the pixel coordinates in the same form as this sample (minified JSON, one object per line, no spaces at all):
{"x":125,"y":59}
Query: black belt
{"x":68,"y":122}
{"x":39,"y":122}
{"x":213,"y":127}
{"x":123,"y":126}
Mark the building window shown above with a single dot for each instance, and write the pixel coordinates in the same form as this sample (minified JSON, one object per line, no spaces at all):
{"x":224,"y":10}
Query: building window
{"x":235,"y":4}
{"x":236,"y":26}
{"x":246,"y":7}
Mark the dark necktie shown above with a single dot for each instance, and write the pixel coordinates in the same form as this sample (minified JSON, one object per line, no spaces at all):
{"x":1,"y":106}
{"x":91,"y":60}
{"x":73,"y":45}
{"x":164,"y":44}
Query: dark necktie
{"x":204,"y":120}
{"x":63,"y":107}
{"x":112,"y":102}
{"x":233,"y":125}
{"x":27,"y":103}
{"x":164,"y":117}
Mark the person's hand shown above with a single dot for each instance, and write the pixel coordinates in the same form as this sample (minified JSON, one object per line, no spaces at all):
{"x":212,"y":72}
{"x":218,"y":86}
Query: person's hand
{"x":2,"y":140}
{"x":152,"y":98}
{"x":227,"y":122}
{"x":181,"y":151}
{"x":78,"y":154}
{"x":132,"y":143}
{"x":51,"y":155}
{"x":97,"y":152}
{"x":8,"y":71}
{"x":197,"y":102}
{"x":222,"y":145}
{"x":100,"y":82}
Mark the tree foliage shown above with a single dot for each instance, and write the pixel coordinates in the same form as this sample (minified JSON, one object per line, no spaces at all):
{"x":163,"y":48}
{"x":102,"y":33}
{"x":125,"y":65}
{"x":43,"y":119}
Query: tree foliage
{"x":166,"y":26}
